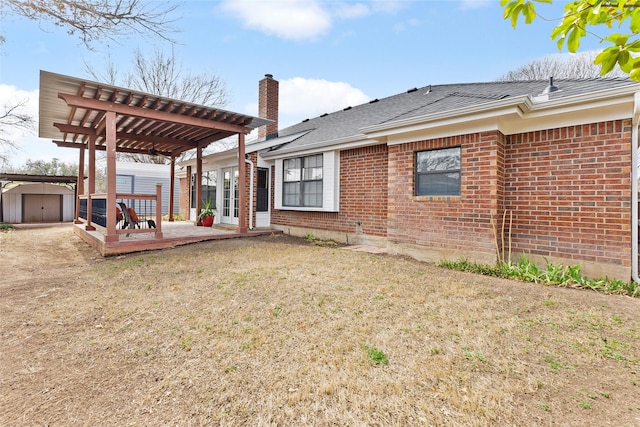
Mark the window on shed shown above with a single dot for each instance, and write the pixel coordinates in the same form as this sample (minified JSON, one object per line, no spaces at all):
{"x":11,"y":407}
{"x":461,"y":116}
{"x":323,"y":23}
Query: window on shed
{"x":438,"y":172}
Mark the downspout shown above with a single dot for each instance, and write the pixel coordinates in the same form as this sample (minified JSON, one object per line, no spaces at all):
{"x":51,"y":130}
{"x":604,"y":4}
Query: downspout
{"x":635,"y":121}
{"x":250,"y":163}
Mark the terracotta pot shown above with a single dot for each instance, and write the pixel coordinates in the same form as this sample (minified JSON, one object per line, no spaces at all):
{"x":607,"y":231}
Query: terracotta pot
{"x":207,"y":221}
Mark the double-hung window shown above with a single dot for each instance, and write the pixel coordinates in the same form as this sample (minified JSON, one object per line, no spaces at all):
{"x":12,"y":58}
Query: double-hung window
{"x":302,"y":181}
{"x":438,"y":172}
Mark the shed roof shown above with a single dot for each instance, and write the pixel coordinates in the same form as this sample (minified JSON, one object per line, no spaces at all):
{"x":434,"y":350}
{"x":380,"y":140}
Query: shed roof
{"x":19,"y":177}
{"x":73,"y":109}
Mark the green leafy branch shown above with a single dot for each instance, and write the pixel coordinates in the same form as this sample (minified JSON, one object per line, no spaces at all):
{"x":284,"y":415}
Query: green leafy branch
{"x":579,"y":16}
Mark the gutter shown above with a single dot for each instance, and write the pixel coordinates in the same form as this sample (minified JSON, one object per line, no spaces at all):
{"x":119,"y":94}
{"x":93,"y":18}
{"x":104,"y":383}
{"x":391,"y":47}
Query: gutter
{"x":635,"y":121}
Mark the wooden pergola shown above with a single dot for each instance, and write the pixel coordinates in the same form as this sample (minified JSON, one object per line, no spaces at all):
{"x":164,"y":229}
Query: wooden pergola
{"x":91,"y":116}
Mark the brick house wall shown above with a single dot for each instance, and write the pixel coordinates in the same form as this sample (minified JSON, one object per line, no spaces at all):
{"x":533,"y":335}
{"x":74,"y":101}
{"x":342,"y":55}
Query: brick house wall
{"x":570,"y":193}
{"x":566,"y":192}
{"x":448,"y":226}
{"x":363,"y":197}
{"x":185,"y":195}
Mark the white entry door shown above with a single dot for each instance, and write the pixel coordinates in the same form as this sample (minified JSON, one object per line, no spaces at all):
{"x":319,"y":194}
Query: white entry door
{"x":229,"y":213}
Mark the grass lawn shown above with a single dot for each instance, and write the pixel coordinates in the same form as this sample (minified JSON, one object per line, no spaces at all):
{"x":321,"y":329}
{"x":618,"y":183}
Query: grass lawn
{"x":277,"y":331}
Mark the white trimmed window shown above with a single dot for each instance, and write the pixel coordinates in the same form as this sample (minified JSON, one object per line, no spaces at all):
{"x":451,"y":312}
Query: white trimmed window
{"x":308,"y":182}
{"x":302,"y":182}
{"x":438,"y":172}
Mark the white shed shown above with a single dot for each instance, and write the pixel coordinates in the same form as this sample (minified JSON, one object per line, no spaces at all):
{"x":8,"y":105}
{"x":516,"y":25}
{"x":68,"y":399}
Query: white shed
{"x":37,"y":202}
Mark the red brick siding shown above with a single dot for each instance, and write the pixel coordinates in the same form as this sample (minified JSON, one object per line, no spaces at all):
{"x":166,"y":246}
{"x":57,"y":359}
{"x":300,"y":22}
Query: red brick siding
{"x":184,"y":198}
{"x":363,"y":196}
{"x":449,"y":222}
{"x":570,"y":192}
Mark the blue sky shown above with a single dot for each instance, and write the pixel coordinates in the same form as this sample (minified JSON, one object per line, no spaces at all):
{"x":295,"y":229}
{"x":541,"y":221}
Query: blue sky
{"x":326,"y":54}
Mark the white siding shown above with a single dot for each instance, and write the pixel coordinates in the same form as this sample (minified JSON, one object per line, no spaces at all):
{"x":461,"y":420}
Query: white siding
{"x":145,"y":176}
{"x":12,"y":207}
{"x":68,"y":207}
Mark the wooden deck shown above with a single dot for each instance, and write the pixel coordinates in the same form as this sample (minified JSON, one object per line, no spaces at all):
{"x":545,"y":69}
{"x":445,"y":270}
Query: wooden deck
{"x":173,"y":234}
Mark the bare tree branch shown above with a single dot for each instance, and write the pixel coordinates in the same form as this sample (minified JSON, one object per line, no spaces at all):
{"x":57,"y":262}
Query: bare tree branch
{"x":576,"y":66}
{"x":162,"y":74}
{"x":100,"y":20}
{"x":12,"y":117}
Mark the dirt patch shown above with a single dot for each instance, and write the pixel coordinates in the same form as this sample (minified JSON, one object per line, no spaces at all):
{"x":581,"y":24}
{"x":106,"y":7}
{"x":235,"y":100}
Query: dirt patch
{"x":278,"y":331}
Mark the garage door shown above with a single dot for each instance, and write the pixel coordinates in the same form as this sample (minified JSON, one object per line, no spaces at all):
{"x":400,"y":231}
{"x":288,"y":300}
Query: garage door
{"x":41,"y":208}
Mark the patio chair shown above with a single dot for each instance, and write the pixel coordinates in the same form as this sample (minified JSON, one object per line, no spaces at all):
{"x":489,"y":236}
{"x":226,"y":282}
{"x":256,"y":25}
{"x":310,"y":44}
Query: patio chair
{"x":119,"y":216}
{"x":130,"y":217}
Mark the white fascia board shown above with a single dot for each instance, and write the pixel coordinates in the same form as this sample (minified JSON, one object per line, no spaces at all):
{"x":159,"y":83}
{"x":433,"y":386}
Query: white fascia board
{"x":481,"y":122}
{"x":335,"y":144}
{"x":262,"y":145}
{"x":214,"y":160}
{"x":475,"y":112}
{"x":222,"y":156}
{"x":522,"y":114}
{"x":563,"y":117}
{"x":451,"y":129}
{"x":594,"y":107}
{"x":605,"y":97}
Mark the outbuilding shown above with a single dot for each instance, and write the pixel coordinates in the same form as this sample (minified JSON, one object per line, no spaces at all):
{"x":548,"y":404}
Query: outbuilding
{"x":37,"y":198}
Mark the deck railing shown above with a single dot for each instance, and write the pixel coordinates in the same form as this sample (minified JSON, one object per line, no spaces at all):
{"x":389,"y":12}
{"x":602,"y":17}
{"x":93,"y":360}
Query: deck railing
{"x":146,"y":208}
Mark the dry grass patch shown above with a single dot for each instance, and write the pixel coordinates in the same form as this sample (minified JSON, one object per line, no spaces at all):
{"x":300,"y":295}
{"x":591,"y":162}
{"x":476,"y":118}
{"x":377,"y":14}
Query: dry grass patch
{"x":279,"y":331}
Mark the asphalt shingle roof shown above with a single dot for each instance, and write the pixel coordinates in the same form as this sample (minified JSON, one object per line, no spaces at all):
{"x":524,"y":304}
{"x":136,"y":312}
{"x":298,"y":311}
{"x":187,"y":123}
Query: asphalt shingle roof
{"x":429,"y":100}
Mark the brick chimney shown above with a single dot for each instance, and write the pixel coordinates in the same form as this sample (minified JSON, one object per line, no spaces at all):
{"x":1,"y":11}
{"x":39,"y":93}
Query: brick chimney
{"x":268,"y":106}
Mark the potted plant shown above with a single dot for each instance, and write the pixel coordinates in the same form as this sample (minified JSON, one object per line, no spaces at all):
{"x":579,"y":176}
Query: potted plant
{"x":207,"y":214}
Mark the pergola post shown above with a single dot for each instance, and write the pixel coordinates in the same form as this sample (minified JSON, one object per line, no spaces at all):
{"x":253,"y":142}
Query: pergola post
{"x":190,"y":201}
{"x":92,"y":181}
{"x":110,"y":129}
{"x":243,"y":220}
{"x":79,"y":185}
{"x":198,"y":203}
{"x":158,"y":234}
{"x":172,"y":182}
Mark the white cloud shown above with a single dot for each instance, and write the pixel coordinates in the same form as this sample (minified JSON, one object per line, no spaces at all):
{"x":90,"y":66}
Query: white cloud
{"x":404,"y":26}
{"x":389,"y":6}
{"x":351,"y":10}
{"x":303,"y":19}
{"x":315,"y":96}
{"x":475,"y":4}
{"x":302,"y":98}
{"x":29,"y":146}
{"x":288,"y":19}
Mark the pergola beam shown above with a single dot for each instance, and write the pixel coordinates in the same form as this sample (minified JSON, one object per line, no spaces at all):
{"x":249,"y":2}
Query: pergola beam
{"x":130,"y":110}
{"x":67,"y":144}
{"x":184,"y":144}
